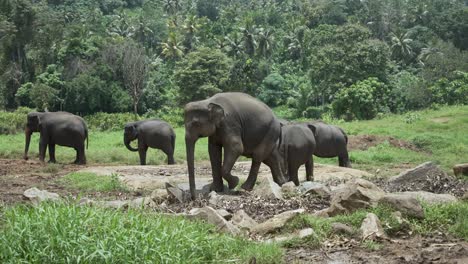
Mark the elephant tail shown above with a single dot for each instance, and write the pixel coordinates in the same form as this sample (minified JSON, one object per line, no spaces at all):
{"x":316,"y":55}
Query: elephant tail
{"x":345,"y":136}
{"x":87,"y":138}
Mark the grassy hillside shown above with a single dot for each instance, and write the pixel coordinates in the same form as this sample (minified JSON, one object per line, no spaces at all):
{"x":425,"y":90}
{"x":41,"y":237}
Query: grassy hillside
{"x":439,"y":134}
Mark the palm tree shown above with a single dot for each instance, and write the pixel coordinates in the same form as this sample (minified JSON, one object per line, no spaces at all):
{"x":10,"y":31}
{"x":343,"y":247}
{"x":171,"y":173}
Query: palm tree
{"x":191,"y":26}
{"x":265,"y":42}
{"x":234,"y":44}
{"x":427,"y":53}
{"x":172,"y":48}
{"x":401,"y":46}
{"x":249,"y":34}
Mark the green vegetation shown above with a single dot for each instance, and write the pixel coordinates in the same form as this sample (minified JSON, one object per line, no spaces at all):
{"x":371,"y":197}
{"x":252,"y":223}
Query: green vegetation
{"x":444,"y":218}
{"x":60,"y":233}
{"x":91,"y":182}
{"x":152,"y":56}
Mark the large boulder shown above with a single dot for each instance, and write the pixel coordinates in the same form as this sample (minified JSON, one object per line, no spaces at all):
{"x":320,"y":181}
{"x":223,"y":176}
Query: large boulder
{"x":355,"y":194}
{"x":268,"y":189}
{"x":460,"y":169}
{"x":276,"y":222}
{"x":430,"y":198}
{"x":371,"y":228}
{"x":210,"y":215}
{"x":243,"y":221}
{"x":181,"y":191}
{"x":406,"y":204}
{"x":37,"y":196}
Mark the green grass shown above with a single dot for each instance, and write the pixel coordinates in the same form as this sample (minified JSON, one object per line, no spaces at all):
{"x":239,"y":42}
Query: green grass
{"x":445,"y":143}
{"x":90,"y":182}
{"x":445,"y":218}
{"x":66,"y":233}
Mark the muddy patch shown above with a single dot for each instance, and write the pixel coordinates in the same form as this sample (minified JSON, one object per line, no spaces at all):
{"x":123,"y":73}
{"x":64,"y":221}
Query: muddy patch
{"x":441,"y":120}
{"x":364,"y":142}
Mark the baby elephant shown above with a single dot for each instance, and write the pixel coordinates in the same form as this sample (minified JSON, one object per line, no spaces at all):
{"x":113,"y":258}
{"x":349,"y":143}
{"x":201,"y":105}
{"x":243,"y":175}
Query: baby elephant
{"x":296,"y":148}
{"x":331,"y":141}
{"x":151,"y":133}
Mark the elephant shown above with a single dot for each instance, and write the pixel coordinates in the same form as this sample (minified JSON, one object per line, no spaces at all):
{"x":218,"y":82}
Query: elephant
{"x":150,"y":133}
{"x":331,"y":141}
{"x":296,"y":147}
{"x":57,"y":128}
{"x":240,"y":124}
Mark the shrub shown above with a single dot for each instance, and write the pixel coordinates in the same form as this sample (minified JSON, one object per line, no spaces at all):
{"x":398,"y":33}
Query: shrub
{"x":451,"y":91}
{"x":13,"y":122}
{"x":273,"y":90}
{"x":106,"y":121}
{"x":362,"y":100}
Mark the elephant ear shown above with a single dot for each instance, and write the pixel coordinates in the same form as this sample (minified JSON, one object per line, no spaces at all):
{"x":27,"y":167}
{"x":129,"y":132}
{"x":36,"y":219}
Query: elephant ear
{"x":313,"y":128}
{"x":216,"y":113}
{"x":34,"y":120}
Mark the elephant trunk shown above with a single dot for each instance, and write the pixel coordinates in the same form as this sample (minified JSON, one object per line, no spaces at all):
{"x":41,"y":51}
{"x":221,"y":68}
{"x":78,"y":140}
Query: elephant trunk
{"x":28,"y":133}
{"x":190,"y":148}
{"x":127,"y":144}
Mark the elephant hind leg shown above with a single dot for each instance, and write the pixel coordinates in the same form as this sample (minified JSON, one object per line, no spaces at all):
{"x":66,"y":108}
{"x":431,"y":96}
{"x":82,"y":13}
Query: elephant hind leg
{"x":52,"y":153}
{"x":343,"y":160}
{"x":169,"y":151}
{"x":310,"y":169}
{"x":80,"y":155}
{"x":252,"y":178}
{"x":293,"y":173}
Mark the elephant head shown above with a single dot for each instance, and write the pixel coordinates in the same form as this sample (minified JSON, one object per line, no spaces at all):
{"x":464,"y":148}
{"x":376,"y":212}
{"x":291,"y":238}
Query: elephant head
{"x":33,"y":124}
{"x":201,"y":120}
{"x":130,"y":134}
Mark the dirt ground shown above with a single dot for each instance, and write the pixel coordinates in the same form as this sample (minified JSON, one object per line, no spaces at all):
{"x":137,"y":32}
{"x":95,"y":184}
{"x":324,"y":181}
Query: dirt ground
{"x":18,"y":175}
{"x":363,"y":142}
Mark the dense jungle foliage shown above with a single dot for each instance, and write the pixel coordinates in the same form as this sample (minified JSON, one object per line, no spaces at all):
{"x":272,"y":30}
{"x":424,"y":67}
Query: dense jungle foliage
{"x":350,"y":58}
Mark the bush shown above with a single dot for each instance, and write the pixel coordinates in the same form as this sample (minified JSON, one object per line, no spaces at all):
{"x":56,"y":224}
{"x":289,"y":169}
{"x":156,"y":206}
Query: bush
{"x":451,"y":91}
{"x":362,"y":100}
{"x":106,"y":121}
{"x":273,"y":90}
{"x":13,"y":122}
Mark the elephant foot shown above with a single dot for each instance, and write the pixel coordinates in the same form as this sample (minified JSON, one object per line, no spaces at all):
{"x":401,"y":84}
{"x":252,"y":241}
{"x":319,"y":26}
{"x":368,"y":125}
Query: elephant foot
{"x":52,"y":161}
{"x":79,"y":162}
{"x":232,"y":182}
{"x":247,"y":186}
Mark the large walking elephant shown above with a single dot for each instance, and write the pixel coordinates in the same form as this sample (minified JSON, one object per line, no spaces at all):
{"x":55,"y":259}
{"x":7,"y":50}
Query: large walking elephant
{"x":57,"y":128}
{"x":240,"y":124}
{"x":151,"y":133}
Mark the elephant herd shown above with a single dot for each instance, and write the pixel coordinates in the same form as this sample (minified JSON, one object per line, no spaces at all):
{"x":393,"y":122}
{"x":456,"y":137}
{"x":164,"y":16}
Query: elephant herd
{"x":235,"y":123}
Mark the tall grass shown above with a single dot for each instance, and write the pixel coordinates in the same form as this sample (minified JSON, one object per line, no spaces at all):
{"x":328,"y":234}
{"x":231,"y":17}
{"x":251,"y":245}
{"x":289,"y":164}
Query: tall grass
{"x":61,"y":233}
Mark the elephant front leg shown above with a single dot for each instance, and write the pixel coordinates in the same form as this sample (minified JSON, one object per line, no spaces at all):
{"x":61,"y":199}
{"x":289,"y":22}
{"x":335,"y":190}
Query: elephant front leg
{"x":231,"y":154}
{"x":215,"y":152}
{"x":42,"y":149}
{"x":52,"y":153}
{"x":274,"y":163}
{"x":252,"y":178}
{"x":142,"y":153}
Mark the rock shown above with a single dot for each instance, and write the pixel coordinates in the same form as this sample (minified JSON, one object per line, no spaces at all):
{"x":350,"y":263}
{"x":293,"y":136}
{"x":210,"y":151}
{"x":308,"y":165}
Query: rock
{"x":243,"y":221}
{"x":355,"y":194}
{"x":209,"y":215}
{"x":406,"y":204}
{"x":289,"y":188}
{"x":425,"y":177}
{"x":315,"y":188}
{"x":142,"y":203}
{"x":460,"y":169}
{"x":430,"y":198}
{"x":117,"y":204}
{"x":465,"y":196}
{"x":276,"y":222}
{"x":268,"y":189}
{"x":342,"y":229}
{"x":85,"y":201}
{"x":37,"y":196}
{"x":158,"y":195}
{"x":177,"y":193}
{"x":405,"y":226}
{"x":218,"y":200}
{"x":225,"y":214}
{"x":215,"y":199}
{"x":296,"y":235}
{"x":371,"y":228}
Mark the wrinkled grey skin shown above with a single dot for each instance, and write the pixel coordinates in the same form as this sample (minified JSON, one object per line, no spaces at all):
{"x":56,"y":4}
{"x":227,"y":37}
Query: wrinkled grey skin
{"x":240,"y":124}
{"x":297,"y":146}
{"x":150,"y":133}
{"x":57,"y":128}
{"x":331,"y":141}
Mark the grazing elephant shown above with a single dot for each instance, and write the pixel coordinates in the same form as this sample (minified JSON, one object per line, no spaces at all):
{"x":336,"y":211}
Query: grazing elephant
{"x":240,"y":124}
{"x":297,"y":146}
{"x":61,"y":128}
{"x":331,"y":141}
{"x":151,"y":133}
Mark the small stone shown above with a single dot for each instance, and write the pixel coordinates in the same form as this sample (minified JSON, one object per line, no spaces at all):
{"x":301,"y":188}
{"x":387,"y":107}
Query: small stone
{"x":276,"y":222}
{"x":159,"y":195}
{"x":268,"y":189}
{"x":242,"y":220}
{"x":371,"y":228}
{"x":317,"y":188}
{"x":460,"y":169}
{"x":296,"y":235}
{"x":225,"y":214}
{"x":210,"y":215}
{"x":117,"y":204}
{"x":142,"y":203}
{"x":342,"y":229}
{"x":431,"y":198}
{"x":288,"y":187}
{"x":37,"y":196}
{"x":85,"y":201}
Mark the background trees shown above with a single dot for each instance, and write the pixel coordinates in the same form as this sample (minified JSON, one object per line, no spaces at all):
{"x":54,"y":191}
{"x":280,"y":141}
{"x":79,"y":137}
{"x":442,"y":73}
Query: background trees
{"x":151,"y":56}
